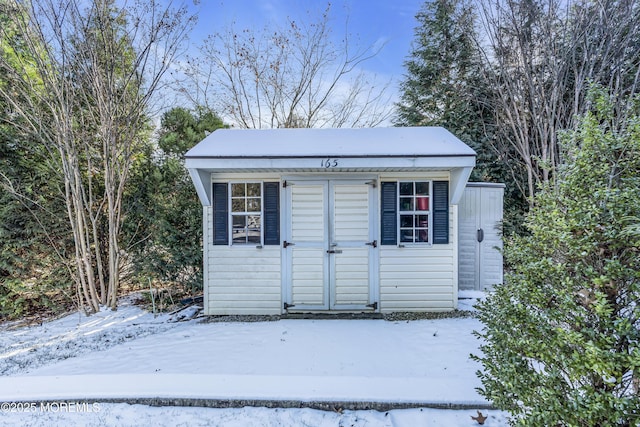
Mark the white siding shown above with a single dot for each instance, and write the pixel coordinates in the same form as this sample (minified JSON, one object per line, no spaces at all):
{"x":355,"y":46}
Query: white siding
{"x":352,"y":276}
{"x":351,"y":213}
{"x":241,"y":279}
{"x":308,"y":276}
{"x":308,"y":235}
{"x":420,"y":278}
{"x":244,"y":279}
{"x":307,"y":211}
{"x":351,"y":232}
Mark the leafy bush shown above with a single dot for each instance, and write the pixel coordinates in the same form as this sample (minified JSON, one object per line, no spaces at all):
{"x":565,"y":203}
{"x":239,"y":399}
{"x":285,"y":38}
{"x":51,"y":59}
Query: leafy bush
{"x":561,"y":337}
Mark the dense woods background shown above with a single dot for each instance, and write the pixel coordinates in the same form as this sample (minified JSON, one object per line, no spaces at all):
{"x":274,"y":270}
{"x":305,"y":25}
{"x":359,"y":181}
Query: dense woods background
{"x":94,"y":196}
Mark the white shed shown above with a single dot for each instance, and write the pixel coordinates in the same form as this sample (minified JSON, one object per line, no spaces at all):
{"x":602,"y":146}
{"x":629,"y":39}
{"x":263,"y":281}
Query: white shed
{"x":328,"y":220}
{"x":480,"y":236}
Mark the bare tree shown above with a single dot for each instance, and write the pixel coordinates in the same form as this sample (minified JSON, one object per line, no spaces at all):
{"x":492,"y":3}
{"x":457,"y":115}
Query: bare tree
{"x":540,"y":57}
{"x":294,"y":76}
{"x":81,"y":88}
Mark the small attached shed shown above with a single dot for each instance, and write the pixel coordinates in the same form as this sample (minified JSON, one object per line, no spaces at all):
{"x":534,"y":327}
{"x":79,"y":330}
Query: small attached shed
{"x":480,"y":236}
{"x":330,"y":220}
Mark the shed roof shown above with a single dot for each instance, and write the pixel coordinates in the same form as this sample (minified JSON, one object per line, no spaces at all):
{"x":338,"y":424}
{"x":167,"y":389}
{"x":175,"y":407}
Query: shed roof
{"x":396,"y":149}
{"x":303,"y":143}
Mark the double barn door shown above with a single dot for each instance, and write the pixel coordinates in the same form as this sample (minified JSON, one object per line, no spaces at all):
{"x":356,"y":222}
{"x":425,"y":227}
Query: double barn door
{"x":330,"y":245}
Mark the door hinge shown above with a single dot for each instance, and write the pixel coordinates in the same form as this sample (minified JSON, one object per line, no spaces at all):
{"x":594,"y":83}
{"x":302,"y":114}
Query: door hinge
{"x":286,"y":305}
{"x":285,"y":244}
{"x":373,"y":305}
{"x":334,"y":251}
{"x":374,"y":183}
{"x":284,"y":184}
{"x":374,"y":243}
{"x":480,"y":235}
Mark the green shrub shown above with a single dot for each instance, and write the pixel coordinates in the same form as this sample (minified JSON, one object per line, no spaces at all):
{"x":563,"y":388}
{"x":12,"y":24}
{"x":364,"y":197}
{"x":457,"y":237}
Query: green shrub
{"x":561,"y":336}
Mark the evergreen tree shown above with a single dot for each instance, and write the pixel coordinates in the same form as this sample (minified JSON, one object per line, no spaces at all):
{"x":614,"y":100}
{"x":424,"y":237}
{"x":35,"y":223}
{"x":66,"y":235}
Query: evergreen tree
{"x":445,"y":86}
{"x":439,"y":85}
{"x":561,"y":337}
{"x":164,"y":205}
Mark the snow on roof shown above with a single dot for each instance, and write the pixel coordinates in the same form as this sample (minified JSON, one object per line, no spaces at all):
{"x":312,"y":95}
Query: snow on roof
{"x":301,"y":143}
{"x":363,"y":150}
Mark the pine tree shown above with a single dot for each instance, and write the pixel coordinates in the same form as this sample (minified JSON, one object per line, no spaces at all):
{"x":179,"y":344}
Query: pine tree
{"x":441,"y":70}
{"x":445,"y":86}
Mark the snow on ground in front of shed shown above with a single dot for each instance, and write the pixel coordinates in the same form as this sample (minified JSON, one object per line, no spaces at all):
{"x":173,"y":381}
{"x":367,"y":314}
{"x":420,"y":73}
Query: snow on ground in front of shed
{"x":144,"y":416}
{"x":132,"y":353}
{"x":468,"y":299}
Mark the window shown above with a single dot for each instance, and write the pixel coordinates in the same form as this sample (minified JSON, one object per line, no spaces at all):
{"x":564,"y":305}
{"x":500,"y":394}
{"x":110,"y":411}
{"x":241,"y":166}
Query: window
{"x":414,"y":212}
{"x":246,"y":207}
{"x":246,"y":213}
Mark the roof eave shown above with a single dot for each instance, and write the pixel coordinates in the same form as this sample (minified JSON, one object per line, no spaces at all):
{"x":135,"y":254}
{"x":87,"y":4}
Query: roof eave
{"x":200,"y":169}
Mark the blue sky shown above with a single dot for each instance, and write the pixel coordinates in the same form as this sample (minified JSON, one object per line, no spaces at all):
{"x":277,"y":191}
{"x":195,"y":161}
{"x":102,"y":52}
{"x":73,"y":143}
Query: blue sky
{"x":369,"y":21}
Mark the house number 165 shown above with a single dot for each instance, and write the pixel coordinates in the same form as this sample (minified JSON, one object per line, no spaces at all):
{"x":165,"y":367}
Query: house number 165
{"x":329,"y":163}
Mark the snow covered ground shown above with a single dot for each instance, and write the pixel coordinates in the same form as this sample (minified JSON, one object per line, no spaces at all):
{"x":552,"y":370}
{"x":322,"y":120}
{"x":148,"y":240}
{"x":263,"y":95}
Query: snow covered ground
{"x":75,"y":363}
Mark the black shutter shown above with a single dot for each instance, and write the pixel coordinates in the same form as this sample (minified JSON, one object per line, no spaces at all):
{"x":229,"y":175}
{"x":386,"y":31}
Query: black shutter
{"x":388,"y":214}
{"x":220,"y":214}
{"x":271,"y":213}
{"x":440,"y":212}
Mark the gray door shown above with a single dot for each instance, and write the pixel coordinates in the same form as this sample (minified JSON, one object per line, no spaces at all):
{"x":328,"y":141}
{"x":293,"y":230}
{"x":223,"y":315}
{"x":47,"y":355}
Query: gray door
{"x":480,"y":242}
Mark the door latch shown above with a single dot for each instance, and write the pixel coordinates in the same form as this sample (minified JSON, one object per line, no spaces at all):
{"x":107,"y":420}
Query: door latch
{"x":334,"y":251}
{"x":374,"y":243}
{"x":480,"y":235}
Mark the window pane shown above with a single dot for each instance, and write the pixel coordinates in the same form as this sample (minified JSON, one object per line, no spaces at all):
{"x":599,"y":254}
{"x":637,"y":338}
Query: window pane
{"x":422,"y":203}
{"x":239,"y":232}
{"x":253,"y":224}
{"x":238,"y":190}
{"x":253,"y":190}
{"x":414,"y":206}
{"x":422,"y":221}
{"x":406,"y":188}
{"x":406,"y":203}
{"x":237,"y":205}
{"x":406,"y":235}
{"x":246,"y":198}
{"x":239,"y":236}
{"x":253,"y":205}
{"x":253,"y":221}
{"x":422,"y":188}
{"x":239,"y":221}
